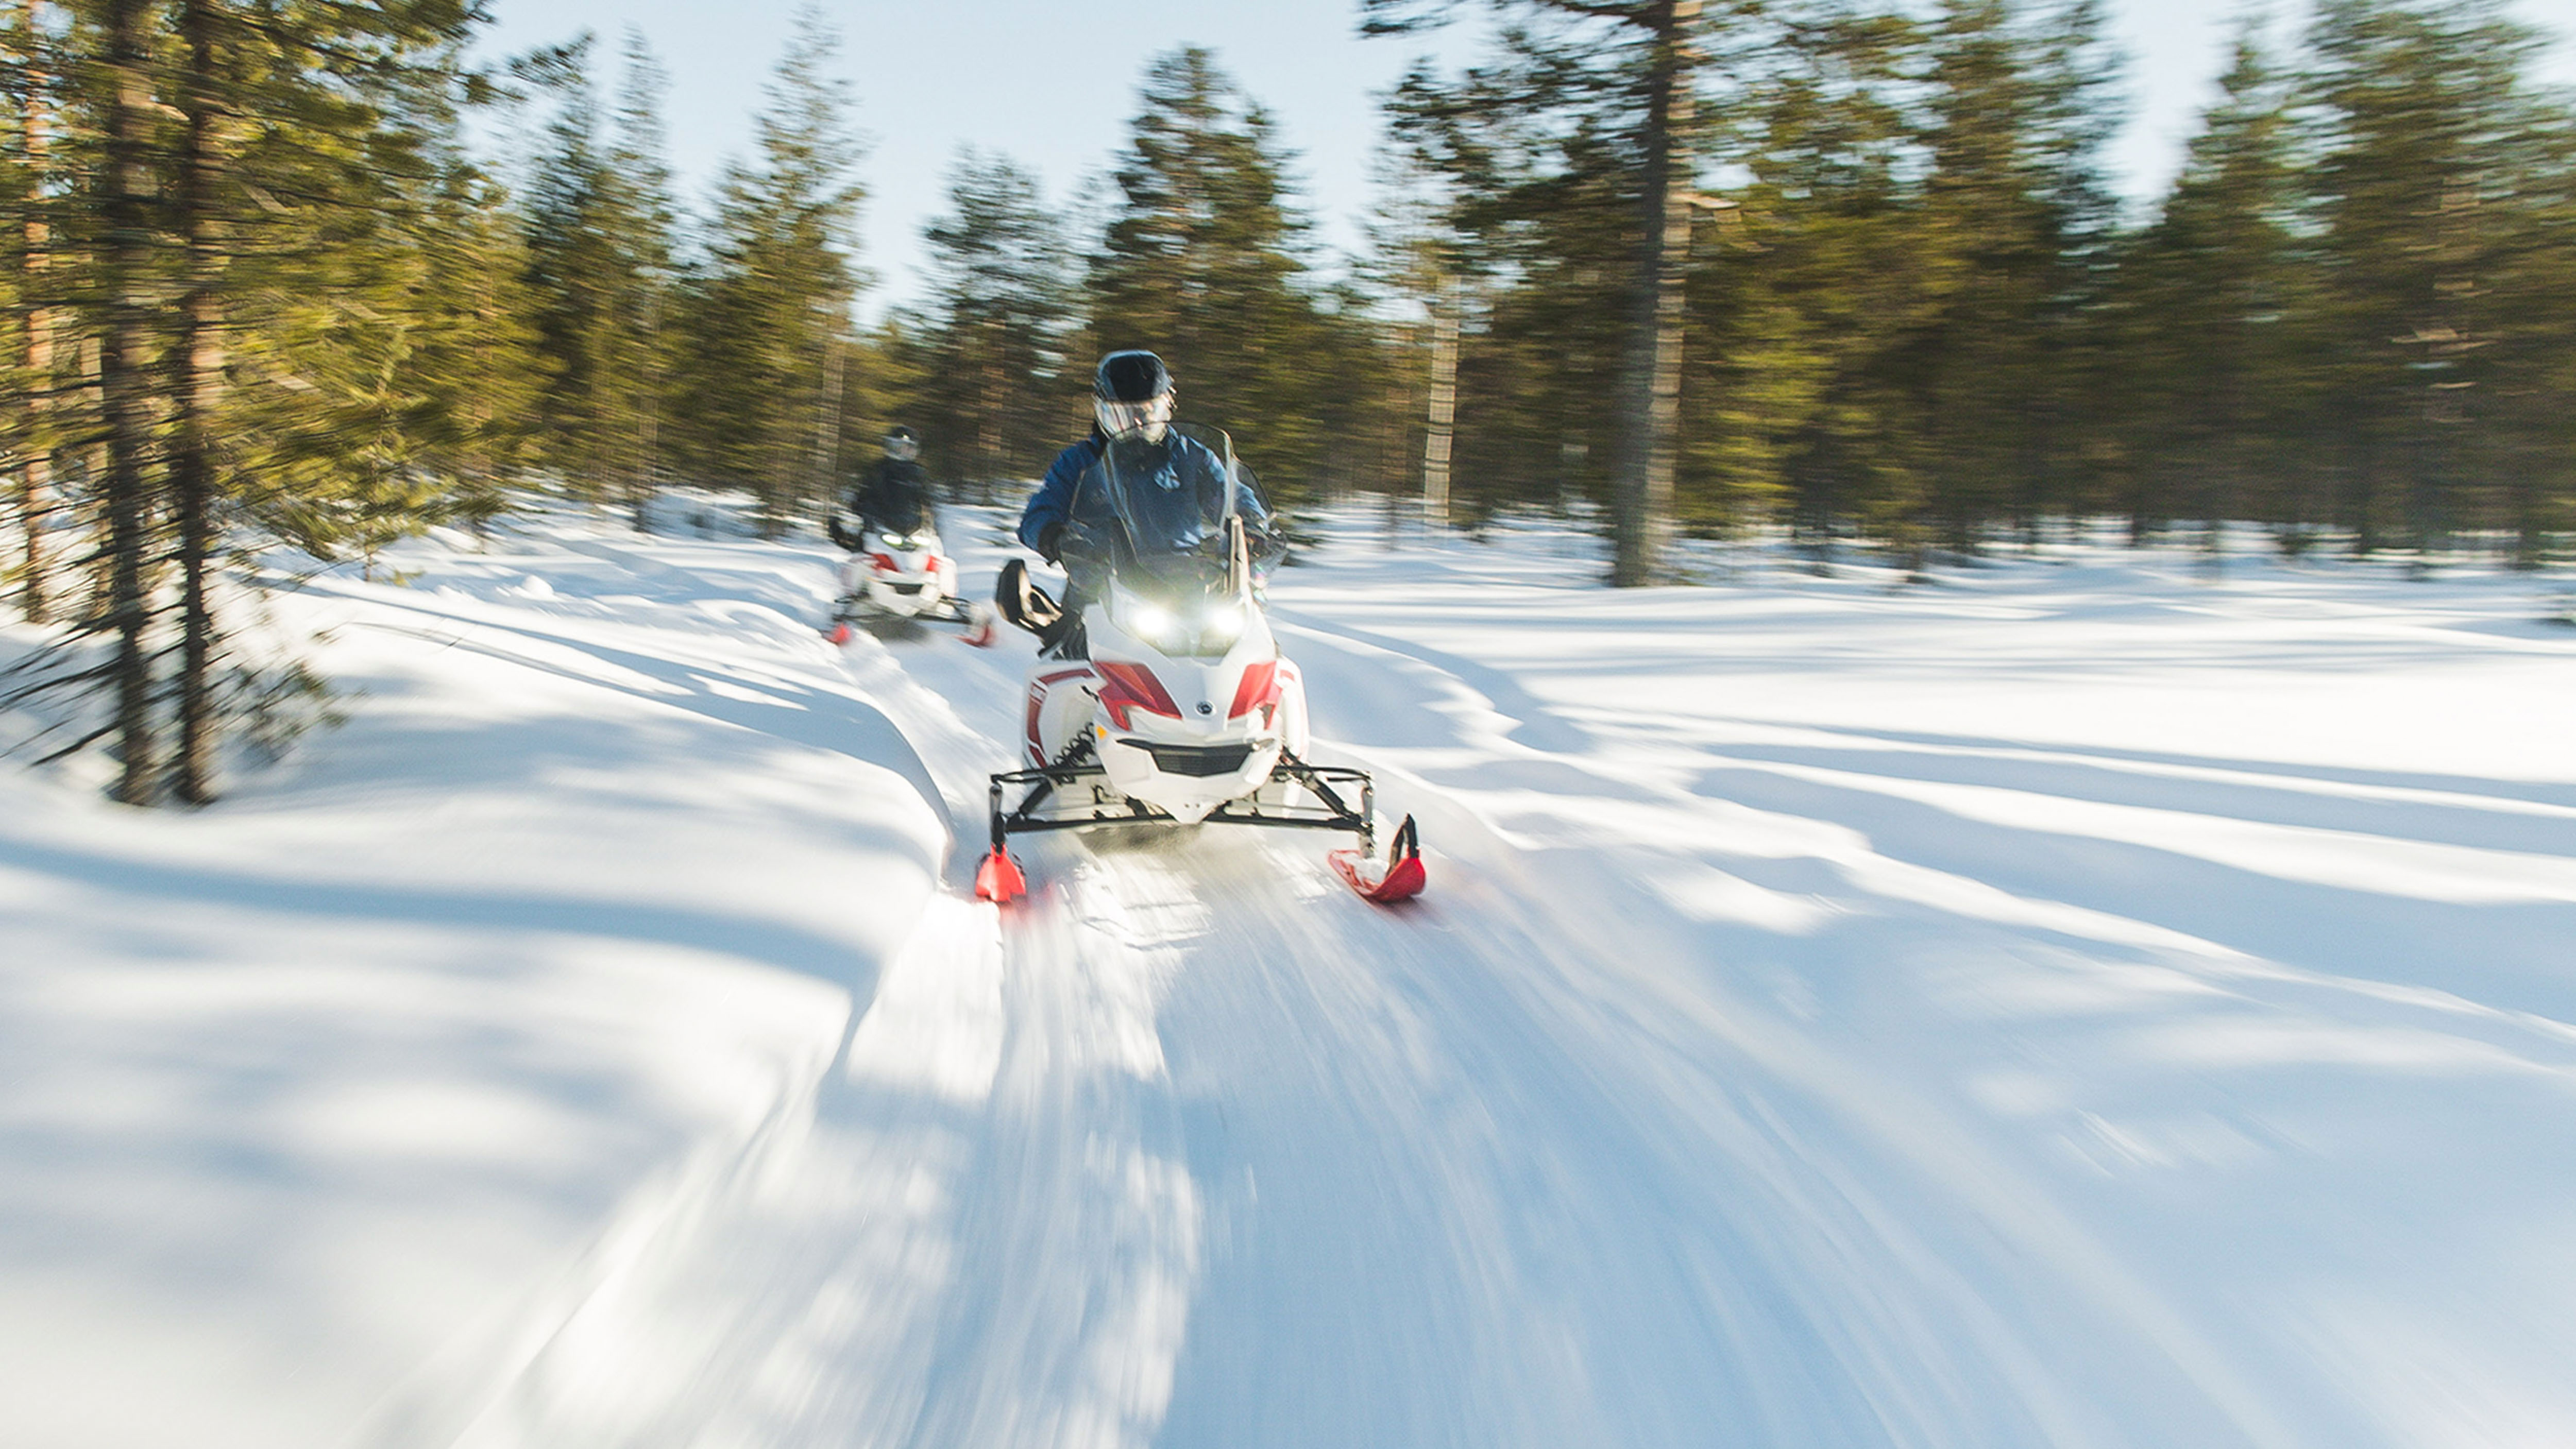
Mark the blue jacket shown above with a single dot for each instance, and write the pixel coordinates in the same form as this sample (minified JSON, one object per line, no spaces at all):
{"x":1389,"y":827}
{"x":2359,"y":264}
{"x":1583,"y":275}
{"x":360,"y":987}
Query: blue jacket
{"x":1061,"y":498}
{"x":1053,"y":502}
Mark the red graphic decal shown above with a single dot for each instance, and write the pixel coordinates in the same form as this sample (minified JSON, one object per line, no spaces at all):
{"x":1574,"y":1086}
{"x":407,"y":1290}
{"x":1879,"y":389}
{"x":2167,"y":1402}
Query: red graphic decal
{"x":1259,"y":689}
{"x":1133,"y":686}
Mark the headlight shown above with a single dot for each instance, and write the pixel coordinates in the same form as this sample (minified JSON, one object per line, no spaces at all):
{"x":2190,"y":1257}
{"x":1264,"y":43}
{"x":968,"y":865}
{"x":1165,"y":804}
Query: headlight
{"x":1153,"y":621}
{"x":1221,"y":626}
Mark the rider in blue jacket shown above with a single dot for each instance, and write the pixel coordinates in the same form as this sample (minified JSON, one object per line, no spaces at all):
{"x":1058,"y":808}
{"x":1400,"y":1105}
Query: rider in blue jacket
{"x":1132,"y":400}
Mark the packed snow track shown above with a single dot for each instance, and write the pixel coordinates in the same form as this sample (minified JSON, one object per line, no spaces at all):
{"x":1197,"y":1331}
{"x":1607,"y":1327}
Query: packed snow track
{"x":2085,"y":1003}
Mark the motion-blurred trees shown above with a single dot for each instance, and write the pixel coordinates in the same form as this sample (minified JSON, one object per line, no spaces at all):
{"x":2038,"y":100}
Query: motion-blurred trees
{"x":2204,"y":326}
{"x":765,"y":318}
{"x":253,"y":289}
{"x":1810,"y":298}
{"x":1577,"y":158}
{"x":599,"y":224}
{"x":2438,"y":198}
{"x":234,"y":243}
{"x":997,"y":390}
{"x":29,"y":448}
{"x":1917,"y":317}
{"x":1206,"y":260}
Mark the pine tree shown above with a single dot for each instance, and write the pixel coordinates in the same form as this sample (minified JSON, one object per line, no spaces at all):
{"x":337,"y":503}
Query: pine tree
{"x":233,"y":223}
{"x":996,"y":399}
{"x":2015,"y":208}
{"x":1594,"y":108}
{"x":27,"y":301}
{"x":1812,"y":292}
{"x":2421,"y":186}
{"x":770,"y":312}
{"x":1205,"y":261}
{"x":571,"y":273}
{"x":643,"y":221}
{"x":2206,"y":296}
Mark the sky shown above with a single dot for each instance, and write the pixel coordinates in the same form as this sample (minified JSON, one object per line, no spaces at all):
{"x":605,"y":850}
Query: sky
{"x":1053,"y":85}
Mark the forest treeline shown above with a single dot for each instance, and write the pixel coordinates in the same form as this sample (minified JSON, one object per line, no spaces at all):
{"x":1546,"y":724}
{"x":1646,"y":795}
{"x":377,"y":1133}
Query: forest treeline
{"x":295,"y":272}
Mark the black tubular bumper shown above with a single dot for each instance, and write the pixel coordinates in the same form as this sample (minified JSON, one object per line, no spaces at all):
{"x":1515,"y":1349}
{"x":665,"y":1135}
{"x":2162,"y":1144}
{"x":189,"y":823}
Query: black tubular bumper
{"x":1333,"y":787}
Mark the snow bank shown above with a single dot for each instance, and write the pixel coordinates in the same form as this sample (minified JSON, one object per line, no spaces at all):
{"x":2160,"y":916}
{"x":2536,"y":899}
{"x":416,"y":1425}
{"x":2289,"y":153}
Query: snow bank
{"x":309,"y":1096}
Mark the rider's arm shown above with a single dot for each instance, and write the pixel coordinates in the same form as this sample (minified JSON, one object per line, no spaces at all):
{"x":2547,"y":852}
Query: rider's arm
{"x":1053,"y":503}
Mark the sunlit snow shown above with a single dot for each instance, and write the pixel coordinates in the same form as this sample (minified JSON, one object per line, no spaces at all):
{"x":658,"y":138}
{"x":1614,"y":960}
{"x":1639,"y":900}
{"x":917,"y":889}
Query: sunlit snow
{"x":2083,"y":1000}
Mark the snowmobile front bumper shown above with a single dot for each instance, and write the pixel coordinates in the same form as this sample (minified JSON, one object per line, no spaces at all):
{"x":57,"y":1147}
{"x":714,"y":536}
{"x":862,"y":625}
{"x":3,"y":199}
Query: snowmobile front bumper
{"x":1061,"y":783}
{"x":1053,"y":801}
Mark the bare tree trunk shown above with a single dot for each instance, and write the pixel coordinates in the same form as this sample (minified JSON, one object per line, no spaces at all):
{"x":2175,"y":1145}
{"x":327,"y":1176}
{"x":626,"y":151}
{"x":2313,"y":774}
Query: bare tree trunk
{"x":35,"y":474}
{"x":196,"y":382}
{"x":827,"y":420}
{"x":125,"y":364}
{"x":648,"y":422}
{"x":1650,"y":423}
{"x":1436,"y":438}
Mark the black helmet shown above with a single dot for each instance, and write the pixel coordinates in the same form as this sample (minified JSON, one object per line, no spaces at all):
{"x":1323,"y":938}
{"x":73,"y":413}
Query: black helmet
{"x":1131,"y":377}
{"x":1131,"y":395}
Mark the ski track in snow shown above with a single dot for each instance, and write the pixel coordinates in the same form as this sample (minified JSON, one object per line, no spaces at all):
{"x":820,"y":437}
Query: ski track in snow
{"x":2104,"y":1049}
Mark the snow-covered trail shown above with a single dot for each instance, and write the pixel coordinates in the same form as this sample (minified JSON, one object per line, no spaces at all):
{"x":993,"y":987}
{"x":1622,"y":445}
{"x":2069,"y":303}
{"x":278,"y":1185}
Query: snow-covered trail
{"x":1757,"y":1073}
{"x":1468,"y":1174}
{"x":1749,"y":1079}
{"x":2074,"y":1005}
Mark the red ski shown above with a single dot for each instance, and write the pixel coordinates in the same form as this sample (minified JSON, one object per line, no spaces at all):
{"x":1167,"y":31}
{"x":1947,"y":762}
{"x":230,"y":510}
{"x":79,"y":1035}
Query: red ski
{"x":1400,"y":879}
{"x":999,"y":880}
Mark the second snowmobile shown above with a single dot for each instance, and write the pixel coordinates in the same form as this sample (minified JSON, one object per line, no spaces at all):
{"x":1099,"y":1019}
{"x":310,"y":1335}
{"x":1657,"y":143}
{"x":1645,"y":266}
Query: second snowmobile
{"x":898,"y":577}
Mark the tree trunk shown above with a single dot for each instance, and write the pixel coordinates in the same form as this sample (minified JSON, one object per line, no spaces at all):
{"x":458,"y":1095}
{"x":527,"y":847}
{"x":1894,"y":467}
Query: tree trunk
{"x":827,"y":420}
{"x":649,"y":415}
{"x":35,"y":474}
{"x":1650,"y":421}
{"x":1437,"y":437}
{"x":195,"y":383}
{"x":125,"y":365}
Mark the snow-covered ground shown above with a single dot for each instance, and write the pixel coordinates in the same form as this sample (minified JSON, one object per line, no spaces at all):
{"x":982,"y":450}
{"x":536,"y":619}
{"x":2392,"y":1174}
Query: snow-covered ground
{"x":2079,"y":1002}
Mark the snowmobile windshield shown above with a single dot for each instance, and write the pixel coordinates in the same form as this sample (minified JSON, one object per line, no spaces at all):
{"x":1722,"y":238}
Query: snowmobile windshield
{"x":1171,"y":499}
{"x":900,"y":510}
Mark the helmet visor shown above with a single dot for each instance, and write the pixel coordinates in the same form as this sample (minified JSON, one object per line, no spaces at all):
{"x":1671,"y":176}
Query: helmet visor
{"x":1130,"y":419}
{"x":902,"y":449}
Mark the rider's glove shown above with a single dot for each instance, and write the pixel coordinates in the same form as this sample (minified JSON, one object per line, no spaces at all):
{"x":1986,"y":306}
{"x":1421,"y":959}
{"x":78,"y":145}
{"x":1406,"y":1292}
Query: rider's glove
{"x":1049,"y":538}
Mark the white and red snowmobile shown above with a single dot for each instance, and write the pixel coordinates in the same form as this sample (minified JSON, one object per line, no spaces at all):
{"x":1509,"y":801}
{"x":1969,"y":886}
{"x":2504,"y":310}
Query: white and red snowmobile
{"x":1168,"y":701}
{"x":896,"y":578}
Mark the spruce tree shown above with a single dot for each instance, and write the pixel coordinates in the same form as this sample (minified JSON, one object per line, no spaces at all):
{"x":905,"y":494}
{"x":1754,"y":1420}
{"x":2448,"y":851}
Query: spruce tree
{"x":1591,"y":118}
{"x":1205,"y":261}
{"x":770,"y":311}
{"x":998,"y":390}
{"x":2207,"y":297}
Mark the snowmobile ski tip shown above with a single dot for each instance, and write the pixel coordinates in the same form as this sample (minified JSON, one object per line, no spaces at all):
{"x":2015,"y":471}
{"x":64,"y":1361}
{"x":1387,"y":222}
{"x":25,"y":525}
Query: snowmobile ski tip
{"x":998,"y":879}
{"x":1401,"y":879}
